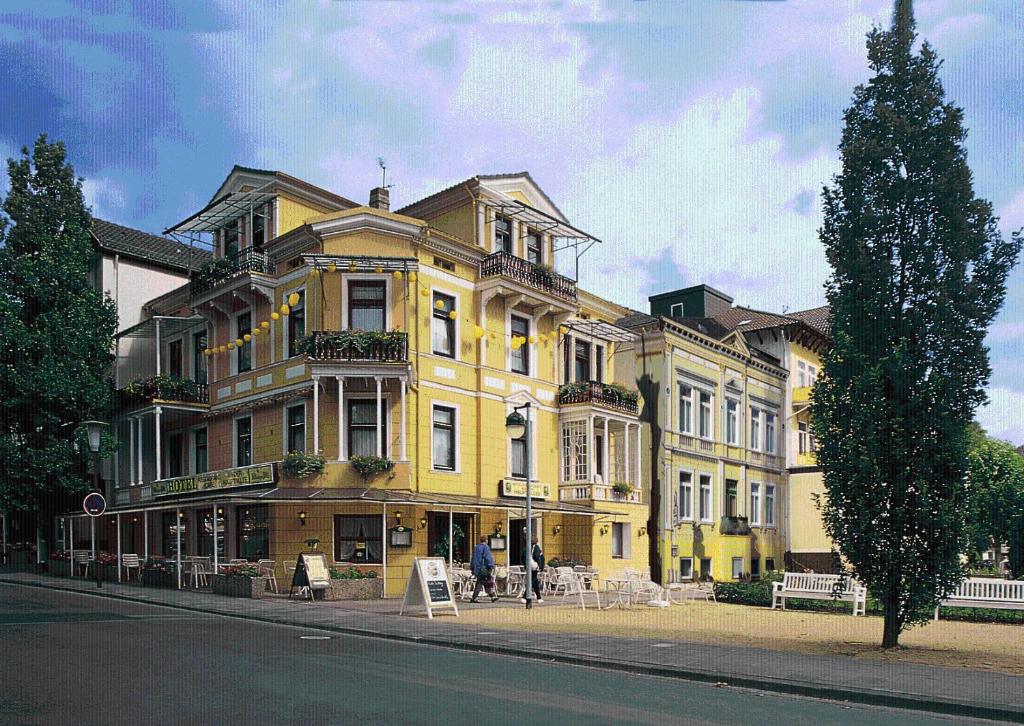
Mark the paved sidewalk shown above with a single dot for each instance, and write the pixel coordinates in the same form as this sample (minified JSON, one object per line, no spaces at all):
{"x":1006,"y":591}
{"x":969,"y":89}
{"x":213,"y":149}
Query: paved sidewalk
{"x":980,"y":694}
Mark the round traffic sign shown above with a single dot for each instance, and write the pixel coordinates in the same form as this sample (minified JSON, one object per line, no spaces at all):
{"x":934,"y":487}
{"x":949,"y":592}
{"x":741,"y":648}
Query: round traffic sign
{"x":94,"y":504}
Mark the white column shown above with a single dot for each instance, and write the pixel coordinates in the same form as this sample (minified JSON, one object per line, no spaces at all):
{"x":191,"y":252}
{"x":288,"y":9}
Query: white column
{"x":177,"y":536}
{"x":451,"y":530}
{"x":158,"y":347}
{"x":384,"y":548}
{"x":156,"y":414}
{"x":316,"y":414}
{"x":138,"y":450}
{"x":380,"y":433}
{"x":131,"y":451}
{"x":604,"y":453}
{"x":625,"y":453}
{"x":70,"y":522}
{"x":480,"y":227}
{"x":402,"y":435}
{"x":508,"y":540}
{"x":118,"y":517}
{"x":341,"y":418}
{"x":145,"y":534}
{"x":639,"y":469}
{"x":216,"y":562}
{"x":590,"y":449}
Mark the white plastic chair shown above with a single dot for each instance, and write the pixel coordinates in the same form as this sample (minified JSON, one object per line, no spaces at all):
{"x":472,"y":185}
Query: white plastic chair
{"x":83,"y":559}
{"x":131,"y":562}
{"x":267,"y":570}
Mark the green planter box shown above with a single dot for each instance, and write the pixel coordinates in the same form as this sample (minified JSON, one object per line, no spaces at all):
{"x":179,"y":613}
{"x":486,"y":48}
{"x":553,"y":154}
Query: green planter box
{"x":369,"y":588}
{"x":157,"y":578}
{"x":238,"y":586}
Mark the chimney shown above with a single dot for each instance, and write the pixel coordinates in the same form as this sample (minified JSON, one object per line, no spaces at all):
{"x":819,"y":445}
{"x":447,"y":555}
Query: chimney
{"x":380,"y":198}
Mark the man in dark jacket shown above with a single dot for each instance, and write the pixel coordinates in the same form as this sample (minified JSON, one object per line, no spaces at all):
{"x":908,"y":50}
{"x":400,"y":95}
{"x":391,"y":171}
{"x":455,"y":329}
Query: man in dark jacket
{"x":483,"y":569}
{"x":534,"y":559}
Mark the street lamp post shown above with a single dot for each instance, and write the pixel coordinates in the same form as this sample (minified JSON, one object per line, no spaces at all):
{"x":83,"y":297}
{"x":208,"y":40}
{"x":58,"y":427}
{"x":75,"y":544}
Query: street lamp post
{"x":94,"y":431}
{"x":519,"y":428}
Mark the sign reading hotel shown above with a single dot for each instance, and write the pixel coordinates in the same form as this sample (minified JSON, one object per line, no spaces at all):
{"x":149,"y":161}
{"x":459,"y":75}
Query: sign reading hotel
{"x":518,"y":489}
{"x":240,"y":477}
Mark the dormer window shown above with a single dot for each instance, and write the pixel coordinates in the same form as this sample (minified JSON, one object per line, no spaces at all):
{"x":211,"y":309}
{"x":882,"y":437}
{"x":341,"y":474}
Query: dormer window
{"x":503,"y":234}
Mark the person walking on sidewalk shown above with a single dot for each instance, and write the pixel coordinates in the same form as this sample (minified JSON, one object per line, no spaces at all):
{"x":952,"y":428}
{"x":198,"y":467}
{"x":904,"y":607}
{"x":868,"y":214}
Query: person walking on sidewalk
{"x":535,"y":557}
{"x":483,"y":569}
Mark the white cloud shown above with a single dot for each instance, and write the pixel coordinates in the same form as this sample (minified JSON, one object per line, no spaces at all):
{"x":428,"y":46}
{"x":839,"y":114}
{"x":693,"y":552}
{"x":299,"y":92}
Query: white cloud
{"x":1011,"y":217}
{"x":1003,"y":417}
{"x":106,"y":197}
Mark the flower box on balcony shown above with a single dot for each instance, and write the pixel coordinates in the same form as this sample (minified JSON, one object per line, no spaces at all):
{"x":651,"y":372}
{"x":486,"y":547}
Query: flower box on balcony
{"x":239,"y":586}
{"x":356,"y":345}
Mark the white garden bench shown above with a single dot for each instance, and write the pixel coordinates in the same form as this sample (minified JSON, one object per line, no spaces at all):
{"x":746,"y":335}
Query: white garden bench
{"x":986,"y":592}
{"x":814,"y":586}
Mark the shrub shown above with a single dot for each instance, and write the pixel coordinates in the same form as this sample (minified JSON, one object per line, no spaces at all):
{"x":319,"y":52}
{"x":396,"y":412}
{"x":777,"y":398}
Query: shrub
{"x":298,"y":465}
{"x":248,"y":570}
{"x":758,"y":592}
{"x":353,"y":573}
{"x":622,"y":488}
{"x":370,"y":465}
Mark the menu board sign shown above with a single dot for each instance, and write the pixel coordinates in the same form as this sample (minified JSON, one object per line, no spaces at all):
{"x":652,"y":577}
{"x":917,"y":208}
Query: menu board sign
{"x":429,"y":586}
{"x":518,"y":489}
{"x":242,"y":476}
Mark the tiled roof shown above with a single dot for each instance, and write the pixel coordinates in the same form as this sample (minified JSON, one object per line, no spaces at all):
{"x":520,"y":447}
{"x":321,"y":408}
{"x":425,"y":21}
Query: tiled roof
{"x":147,"y":247}
{"x":748,"y":319}
{"x":636,"y":319}
{"x":818,"y":318}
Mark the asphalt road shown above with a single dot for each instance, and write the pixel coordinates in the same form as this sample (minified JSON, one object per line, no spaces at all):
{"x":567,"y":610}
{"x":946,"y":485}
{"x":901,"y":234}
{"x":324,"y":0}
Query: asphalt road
{"x":71,"y":658}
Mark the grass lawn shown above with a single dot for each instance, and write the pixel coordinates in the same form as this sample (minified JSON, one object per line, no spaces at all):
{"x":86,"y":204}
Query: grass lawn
{"x":982,"y":646}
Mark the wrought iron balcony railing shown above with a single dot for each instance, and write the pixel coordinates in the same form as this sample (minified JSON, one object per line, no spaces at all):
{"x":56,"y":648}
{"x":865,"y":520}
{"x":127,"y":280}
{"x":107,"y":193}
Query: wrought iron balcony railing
{"x":603,"y":394}
{"x":536,"y":276}
{"x":356,"y":345}
{"x":223,"y":269}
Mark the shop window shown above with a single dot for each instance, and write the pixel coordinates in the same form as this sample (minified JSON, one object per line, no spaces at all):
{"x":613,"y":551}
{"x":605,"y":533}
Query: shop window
{"x":206,"y":533}
{"x":358,"y":538}
{"x":254,"y":532}
{"x":171,"y":524}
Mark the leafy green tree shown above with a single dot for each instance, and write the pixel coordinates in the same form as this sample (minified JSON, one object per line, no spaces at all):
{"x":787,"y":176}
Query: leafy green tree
{"x":918,"y":273}
{"x":995,"y":488}
{"x":56,"y":334}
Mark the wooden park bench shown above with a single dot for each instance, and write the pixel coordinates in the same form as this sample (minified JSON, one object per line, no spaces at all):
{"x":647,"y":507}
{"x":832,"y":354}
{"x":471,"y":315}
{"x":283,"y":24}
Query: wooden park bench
{"x":986,"y":592}
{"x":813,"y":586}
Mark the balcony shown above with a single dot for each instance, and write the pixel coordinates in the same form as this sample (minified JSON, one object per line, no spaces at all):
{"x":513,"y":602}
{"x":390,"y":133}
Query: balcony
{"x":801,"y":395}
{"x":535,"y":277}
{"x":356,"y":346}
{"x":164,"y":389}
{"x":226,"y":268}
{"x":608,"y":395}
{"x":583,"y":492}
{"x":734,"y":525}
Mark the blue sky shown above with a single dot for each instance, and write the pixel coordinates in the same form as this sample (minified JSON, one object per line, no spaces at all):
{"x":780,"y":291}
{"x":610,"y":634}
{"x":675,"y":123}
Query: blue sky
{"x":693,"y":137}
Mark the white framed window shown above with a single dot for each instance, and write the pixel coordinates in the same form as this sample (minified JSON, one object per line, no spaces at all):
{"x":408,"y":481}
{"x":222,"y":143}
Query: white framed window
{"x":737,"y":568}
{"x":574,"y":451}
{"x":685,"y":408}
{"x":812,"y":375}
{"x":732,"y":422}
{"x":503,"y":234}
{"x":295,"y":328}
{"x":676,"y":310}
{"x":443,"y":327}
{"x":295,"y":427}
{"x":519,"y":358}
{"x":241,"y":361}
{"x":755,"y":428}
{"x":755,"y":503}
{"x":706,"y":503}
{"x":755,"y":568}
{"x":685,"y":568}
{"x":706,"y":421}
{"x":243,"y":440}
{"x":444,"y":437}
{"x":769,"y":505}
{"x":621,"y":541}
{"x":801,"y":437}
{"x":365,"y":301}
{"x":685,"y":505}
{"x":801,"y":374}
{"x":769,"y":432}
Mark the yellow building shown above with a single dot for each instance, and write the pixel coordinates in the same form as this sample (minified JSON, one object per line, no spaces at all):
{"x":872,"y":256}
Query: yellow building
{"x":394,"y":345}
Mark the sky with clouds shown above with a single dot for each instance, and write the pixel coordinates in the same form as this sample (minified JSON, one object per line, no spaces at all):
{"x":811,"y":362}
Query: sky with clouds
{"x":692,"y":137}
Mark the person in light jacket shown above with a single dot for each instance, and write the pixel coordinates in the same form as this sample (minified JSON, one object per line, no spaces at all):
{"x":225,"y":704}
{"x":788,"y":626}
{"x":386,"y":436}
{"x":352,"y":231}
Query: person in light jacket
{"x":483,"y":569}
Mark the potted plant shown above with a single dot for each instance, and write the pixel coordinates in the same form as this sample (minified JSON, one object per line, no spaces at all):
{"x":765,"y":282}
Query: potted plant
{"x":355,"y":583}
{"x":107,"y":565}
{"x":621,"y":489}
{"x":299,"y":465}
{"x":240,"y":581}
{"x":369,"y":466}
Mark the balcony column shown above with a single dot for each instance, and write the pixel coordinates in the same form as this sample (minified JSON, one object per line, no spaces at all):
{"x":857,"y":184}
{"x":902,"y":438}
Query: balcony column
{"x":638,"y":467}
{"x":118,"y":518}
{"x":156,"y":414}
{"x":341,"y":417}
{"x":402,"y":435}
{"x":138,"y":451}
{"x":158,"y":346}
{"x":145,"y":534}
{"x":590,"y":449}
{"x":625,"y":453}
{"x":378,"y":427}
{"x":316,"y":414}
{"x":131,"y":450}
{"x":604,"y":453}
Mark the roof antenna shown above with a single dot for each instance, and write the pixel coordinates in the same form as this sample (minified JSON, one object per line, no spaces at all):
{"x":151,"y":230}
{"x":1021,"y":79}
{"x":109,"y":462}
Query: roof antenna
{"x":383,"y":173}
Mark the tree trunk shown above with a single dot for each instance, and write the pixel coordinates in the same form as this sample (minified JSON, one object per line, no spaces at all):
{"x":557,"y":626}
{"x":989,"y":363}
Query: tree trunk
{"x":891,"y":633}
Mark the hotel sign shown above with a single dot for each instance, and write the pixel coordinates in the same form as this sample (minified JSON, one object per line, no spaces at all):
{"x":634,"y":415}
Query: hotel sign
{"x":518,"y":489}
{"x":242,"y":476}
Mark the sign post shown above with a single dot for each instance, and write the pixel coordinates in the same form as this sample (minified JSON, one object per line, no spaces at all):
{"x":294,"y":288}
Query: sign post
{"x":429,"y":587}
{"x":94,"y":505}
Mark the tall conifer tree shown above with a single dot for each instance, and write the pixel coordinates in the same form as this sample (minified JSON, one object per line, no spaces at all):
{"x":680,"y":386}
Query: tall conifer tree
{"x":56,"y":333}
{"x":918,"y":273}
